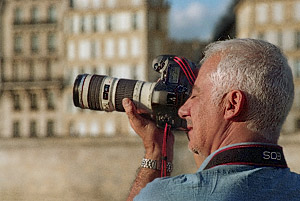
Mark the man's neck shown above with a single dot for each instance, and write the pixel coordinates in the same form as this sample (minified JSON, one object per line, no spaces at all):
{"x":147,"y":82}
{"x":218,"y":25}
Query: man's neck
{"x":238,"y":133}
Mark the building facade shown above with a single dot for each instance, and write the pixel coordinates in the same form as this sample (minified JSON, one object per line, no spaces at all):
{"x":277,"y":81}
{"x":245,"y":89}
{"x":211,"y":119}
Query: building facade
{"x":47,"y":43}
{"x":31,"y":63}
{"x":115,"y":38}
{"x":276,"y":21}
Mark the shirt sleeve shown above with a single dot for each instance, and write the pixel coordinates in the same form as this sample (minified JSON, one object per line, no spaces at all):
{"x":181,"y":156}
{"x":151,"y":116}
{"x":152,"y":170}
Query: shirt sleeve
{"x":154,"y":190}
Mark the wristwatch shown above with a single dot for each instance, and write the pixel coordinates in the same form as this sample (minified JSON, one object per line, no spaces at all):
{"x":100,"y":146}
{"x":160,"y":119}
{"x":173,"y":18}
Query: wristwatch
{"x":155,"y":165}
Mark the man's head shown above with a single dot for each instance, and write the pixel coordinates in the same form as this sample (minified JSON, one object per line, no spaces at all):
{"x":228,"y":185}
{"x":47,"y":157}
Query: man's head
{"x":258,"y":71}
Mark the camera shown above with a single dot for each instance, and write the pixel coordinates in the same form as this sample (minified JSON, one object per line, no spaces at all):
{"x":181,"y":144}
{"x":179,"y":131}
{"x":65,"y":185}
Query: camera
{"x":160,"y":99}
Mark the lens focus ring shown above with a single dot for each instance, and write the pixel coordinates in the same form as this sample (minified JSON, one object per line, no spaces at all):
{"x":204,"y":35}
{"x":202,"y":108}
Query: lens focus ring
{"x":94,"y":92}
{"x":124,"y":89}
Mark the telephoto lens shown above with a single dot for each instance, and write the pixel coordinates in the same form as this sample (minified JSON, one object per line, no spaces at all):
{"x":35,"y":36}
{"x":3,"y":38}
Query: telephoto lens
{"x":98,"y":92}
{"x":161,"y":99}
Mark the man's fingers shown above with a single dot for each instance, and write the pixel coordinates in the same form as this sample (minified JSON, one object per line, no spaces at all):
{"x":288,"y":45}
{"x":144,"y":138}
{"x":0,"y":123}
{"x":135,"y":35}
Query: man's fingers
{"x":131,"y":112}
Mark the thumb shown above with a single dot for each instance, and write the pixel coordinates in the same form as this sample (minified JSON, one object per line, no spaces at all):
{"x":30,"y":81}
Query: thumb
{"x":135,"y":119}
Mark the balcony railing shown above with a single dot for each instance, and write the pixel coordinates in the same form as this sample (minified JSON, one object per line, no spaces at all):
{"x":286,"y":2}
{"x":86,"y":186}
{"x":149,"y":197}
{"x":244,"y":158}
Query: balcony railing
{"x":34,"y":22}
{"x":12,"y":84}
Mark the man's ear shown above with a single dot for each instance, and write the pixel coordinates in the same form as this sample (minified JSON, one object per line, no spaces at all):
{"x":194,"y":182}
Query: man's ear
{"x":234,"y":103}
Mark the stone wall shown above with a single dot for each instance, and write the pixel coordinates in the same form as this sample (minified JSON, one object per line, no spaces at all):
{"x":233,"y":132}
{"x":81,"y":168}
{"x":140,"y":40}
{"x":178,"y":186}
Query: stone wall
{"x":74,"y":169}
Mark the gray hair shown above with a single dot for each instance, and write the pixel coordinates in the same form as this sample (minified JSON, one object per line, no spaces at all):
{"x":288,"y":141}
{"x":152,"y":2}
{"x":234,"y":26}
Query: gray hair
{"x":261,"y":71}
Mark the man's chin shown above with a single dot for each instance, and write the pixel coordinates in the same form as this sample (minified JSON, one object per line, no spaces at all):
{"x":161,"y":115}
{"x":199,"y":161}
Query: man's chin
{"x":193,"y":150}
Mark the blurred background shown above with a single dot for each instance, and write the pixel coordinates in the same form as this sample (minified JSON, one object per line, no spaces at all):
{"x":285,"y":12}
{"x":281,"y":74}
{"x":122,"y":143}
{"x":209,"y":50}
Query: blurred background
{"x":50,"y":150}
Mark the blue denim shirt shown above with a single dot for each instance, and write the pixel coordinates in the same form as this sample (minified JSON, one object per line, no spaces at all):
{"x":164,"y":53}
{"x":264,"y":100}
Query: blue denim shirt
{"x":226,"y":182}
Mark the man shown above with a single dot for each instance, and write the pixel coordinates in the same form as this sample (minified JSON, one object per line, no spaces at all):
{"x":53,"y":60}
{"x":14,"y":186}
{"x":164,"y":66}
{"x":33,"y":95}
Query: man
{"x":240,"y":99}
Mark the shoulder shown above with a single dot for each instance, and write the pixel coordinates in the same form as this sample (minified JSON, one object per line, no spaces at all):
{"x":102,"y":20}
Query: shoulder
{"x":232,"y":182}
{"x":169,"y":187}
{"x":180,"y":187}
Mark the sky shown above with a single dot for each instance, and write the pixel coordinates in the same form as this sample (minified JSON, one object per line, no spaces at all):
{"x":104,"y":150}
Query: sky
{"x":195,"y":19}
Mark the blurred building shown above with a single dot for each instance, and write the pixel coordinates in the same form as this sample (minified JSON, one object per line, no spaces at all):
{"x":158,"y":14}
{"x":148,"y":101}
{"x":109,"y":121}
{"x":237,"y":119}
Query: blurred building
{"x":276,"y":21}
{"x":116,"y":38}
{"x":225,"y":28}
{"x":32,"y":59}
{"x":190,"y":49}
{"x":45,"y":44}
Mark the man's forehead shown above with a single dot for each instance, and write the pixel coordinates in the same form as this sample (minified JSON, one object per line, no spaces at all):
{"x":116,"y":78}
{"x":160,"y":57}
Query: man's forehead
{"x":210,"y":64}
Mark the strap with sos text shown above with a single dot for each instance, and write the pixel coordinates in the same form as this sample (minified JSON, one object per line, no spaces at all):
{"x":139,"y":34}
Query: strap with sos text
{"x":254,"y":154}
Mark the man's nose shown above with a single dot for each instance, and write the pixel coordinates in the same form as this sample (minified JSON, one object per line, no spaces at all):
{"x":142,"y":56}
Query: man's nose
{"x":184,"y":110}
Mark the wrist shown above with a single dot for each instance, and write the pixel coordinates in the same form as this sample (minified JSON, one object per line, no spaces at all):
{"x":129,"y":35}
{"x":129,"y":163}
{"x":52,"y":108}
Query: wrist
{"x":153,"y":152}
{"x":155,"y":165}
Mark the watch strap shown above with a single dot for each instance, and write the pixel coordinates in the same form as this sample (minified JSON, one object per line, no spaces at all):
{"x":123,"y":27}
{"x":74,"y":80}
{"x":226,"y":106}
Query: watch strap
{"x":155,"y":165}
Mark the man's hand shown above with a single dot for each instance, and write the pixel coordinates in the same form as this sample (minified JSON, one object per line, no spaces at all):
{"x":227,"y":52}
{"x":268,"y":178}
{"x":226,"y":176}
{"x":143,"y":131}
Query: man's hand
{"x":151,"y":135}
{"x":152,"y":138}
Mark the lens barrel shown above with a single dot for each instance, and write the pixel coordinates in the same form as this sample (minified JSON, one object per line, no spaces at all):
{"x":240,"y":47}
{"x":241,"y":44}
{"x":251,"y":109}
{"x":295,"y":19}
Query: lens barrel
{"x":98,"y":92}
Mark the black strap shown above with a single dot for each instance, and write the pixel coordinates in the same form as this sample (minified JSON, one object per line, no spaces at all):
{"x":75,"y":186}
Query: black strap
{"x":254,"y":154}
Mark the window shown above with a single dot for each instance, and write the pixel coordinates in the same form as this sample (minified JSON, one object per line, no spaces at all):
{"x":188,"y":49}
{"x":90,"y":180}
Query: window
{"x":279,"y":38}
{"x":52,"y":15}
{"x":297,"y":11}
{"x":134,"y":21}
{"x":51,"y":42}
{"x":34,"y":15}
{"x":18,"y":16}
{"x":100,"y":23}
{"x":31,"y":71}
{"x":48,"y":71}
{"x":15,"y":75}
{"x":84,"y":49}
{"x":33,"y":129}
{"x":110,"y":128}
{"x":135,"y":46}
{"x":81,"y":129}
{"x":71,"y":50}
{"x":109,"y":48}
{"x":16,"y":102}
{"x":123,"y":47}
{"x":136,"y":2}
{"x":122,"y":21}
{"x":261,"y":13}
{"x":50,"y":128}
{"x":94,"y":24}
{"x":261,"y":36}
{"x":122,"y":71}
{"x":109,"y":23}
{"x":140,"y":72}
{"x":297,"y":68}
{"x":298,"y":39}
{"x":50,"y":100}
{"x":97,"y":3}
{"x":71,"y":3}
{"x":76,"y":24}
{"x":95,"y":49}
{"x":18,"y":43}
{"x":33,"y":101}
{"x":34,"y":43}
{"x":82,"y":27}
{"x":298,"y":124}
{"x":277,"y":12}
{"x":16,"y":129}
{"x":111,"y":3}
{"x":157,"y":21}
{"x":94,"y":130}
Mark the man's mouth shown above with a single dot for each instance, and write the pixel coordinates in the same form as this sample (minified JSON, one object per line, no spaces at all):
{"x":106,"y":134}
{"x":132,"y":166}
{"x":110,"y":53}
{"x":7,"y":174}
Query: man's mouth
{"x":189,"y":128}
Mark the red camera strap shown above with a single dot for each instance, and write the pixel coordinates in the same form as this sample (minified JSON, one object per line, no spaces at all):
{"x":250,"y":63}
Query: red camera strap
{"x":186,"y":68}
{"x":167,"y":133}
{"x":254,"y":154}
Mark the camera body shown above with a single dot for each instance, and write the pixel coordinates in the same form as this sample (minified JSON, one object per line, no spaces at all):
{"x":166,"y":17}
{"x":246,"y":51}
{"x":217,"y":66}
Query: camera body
{"x":160,"y":99}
